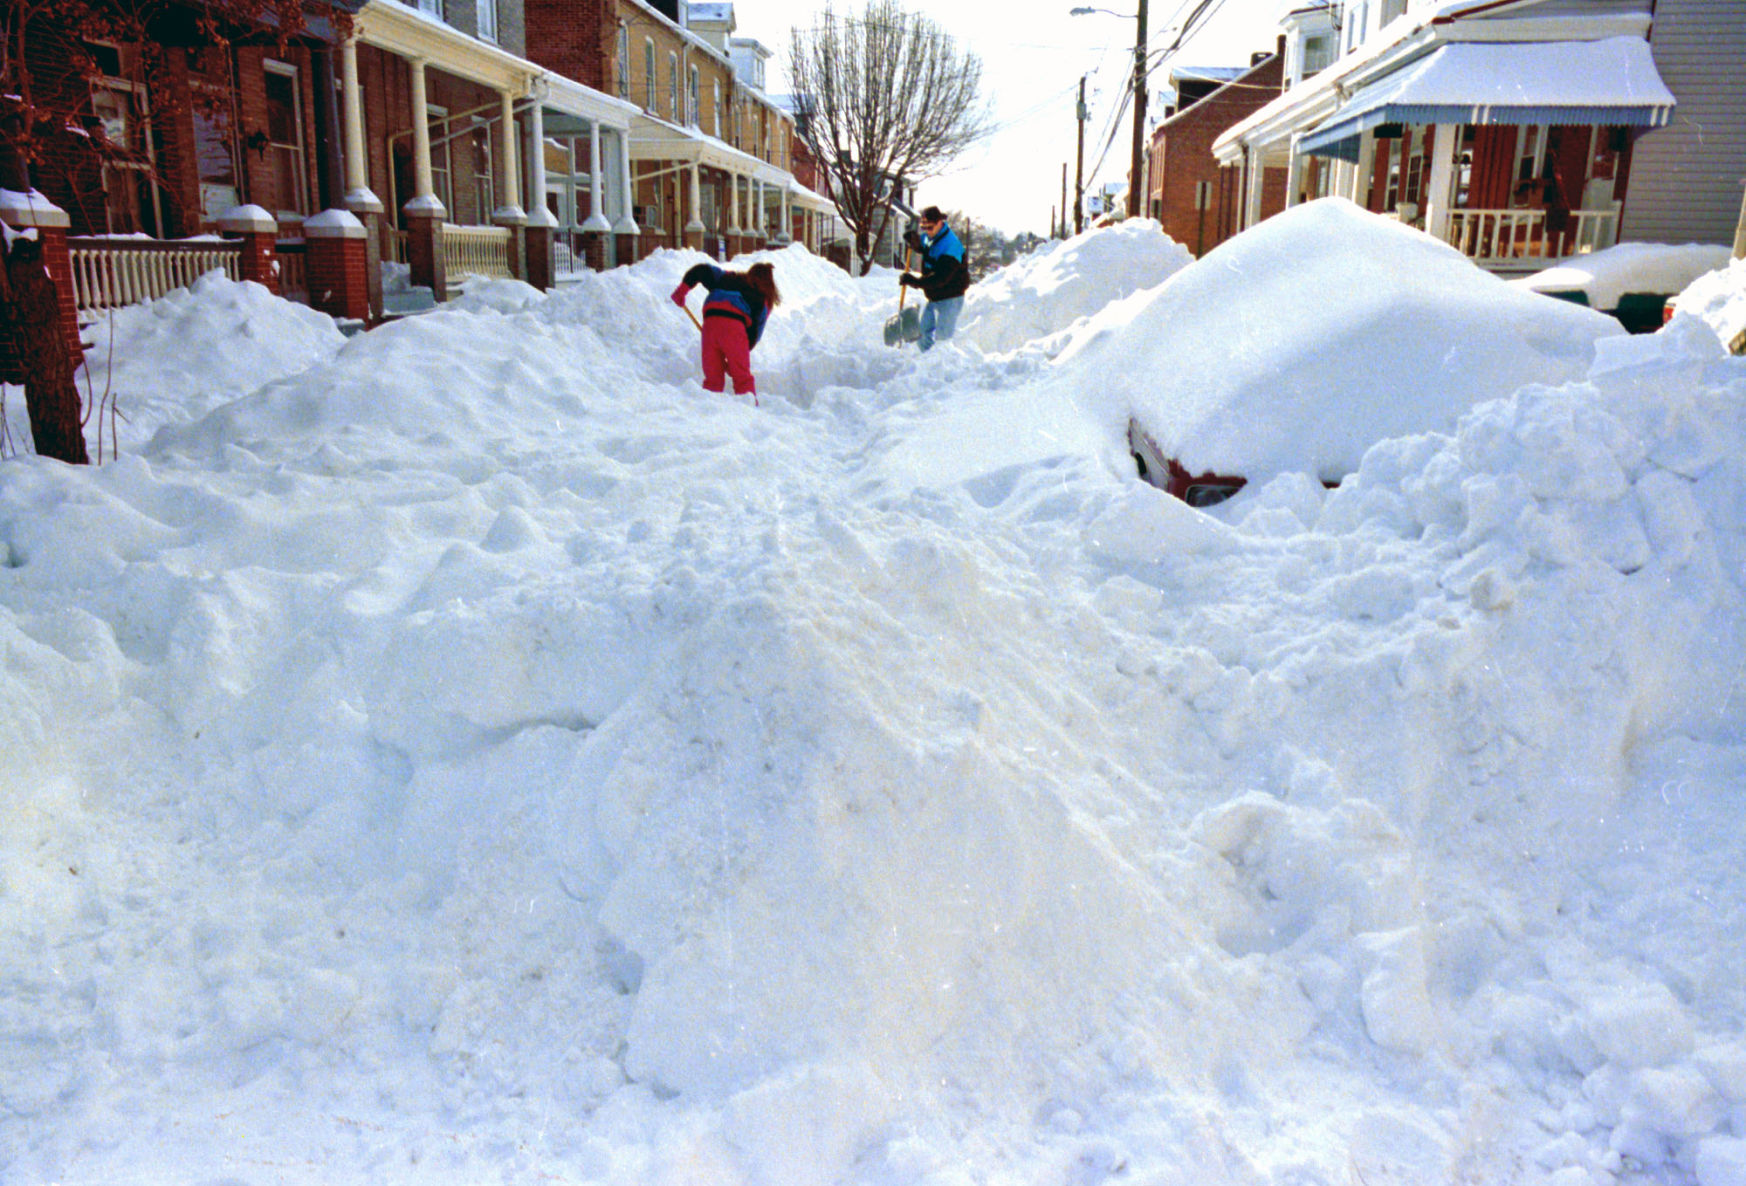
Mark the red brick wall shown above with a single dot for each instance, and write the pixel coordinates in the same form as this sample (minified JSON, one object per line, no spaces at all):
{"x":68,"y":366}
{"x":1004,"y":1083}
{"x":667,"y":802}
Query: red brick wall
{"x":1182,"y":156}
{"x":577,"y":39}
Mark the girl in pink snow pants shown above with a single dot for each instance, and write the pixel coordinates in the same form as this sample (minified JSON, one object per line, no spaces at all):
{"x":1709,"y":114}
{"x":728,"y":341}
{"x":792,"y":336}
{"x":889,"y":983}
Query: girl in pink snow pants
{"x":733,"y":320}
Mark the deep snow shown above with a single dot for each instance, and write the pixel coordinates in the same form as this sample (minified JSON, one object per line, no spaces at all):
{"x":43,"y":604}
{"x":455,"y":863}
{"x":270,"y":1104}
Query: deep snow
{"x":469,"y":752}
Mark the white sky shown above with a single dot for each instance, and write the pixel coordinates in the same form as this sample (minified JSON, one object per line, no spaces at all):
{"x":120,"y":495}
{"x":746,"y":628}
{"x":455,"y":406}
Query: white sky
{"x":1033,"y":53}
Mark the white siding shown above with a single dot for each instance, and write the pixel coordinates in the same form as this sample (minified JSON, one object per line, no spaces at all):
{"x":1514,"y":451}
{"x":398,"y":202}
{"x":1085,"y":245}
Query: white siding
{"x":1686,"y":178}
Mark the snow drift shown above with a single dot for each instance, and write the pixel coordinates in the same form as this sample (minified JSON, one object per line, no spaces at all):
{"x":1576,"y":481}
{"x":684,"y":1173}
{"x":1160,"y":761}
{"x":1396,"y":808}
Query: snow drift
{"x":482,"y":756}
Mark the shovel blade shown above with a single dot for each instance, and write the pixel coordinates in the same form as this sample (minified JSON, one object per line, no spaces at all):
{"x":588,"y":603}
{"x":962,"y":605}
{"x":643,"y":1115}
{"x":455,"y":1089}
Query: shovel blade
{"x":905,"y":327}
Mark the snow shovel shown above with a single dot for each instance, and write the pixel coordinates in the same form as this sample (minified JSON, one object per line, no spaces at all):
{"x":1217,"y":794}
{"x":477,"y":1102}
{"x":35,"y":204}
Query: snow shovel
{"x":906,"y":326}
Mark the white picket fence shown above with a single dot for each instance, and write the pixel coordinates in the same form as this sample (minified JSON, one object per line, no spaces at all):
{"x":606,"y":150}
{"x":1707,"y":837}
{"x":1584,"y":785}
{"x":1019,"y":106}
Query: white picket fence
{"x":476,"y":251}
{"x":1502,"y":236}
{"x":110,"y":273}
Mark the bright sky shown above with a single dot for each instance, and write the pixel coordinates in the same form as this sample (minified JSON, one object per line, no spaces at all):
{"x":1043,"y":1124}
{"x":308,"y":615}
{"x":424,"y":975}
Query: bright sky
{"x":1033,"y":54}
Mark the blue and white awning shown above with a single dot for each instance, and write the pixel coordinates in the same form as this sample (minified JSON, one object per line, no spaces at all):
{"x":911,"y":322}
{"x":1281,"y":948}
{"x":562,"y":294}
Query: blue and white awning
{"x":1611,"y":82}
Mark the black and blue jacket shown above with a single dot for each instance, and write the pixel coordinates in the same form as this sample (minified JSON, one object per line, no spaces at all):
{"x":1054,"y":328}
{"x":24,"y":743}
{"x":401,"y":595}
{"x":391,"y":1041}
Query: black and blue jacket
{"x":944,"y":273}
{"x":733,"y":296}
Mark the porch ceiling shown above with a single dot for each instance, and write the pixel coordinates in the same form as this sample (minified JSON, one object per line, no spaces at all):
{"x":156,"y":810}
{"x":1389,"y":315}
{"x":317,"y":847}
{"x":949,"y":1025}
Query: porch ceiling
{"x":658,"y":140}
{"x":404,"y":31}
{"x":1611,"y":81}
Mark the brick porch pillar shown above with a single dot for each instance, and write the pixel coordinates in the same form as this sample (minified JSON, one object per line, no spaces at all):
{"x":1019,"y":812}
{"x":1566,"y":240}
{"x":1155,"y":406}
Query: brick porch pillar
{"x":424,"y":246}
{"x":32,"y":211}
{"x":367,"y":208}
{"x":541,"y":266}
{"x":338,"y":264}
{"x":259,"y":233}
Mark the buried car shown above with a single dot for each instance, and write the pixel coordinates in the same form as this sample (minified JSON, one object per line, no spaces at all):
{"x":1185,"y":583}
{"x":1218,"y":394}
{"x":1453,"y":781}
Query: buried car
{"x":1300,"y":343}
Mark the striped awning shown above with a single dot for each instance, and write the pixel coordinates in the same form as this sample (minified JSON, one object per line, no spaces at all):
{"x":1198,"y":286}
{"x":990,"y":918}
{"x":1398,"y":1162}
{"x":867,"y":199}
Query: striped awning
{"x":1609,"y":82}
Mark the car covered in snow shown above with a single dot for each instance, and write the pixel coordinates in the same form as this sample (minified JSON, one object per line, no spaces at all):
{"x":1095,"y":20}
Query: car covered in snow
{"x":1297,"y":345}
{"x":1634,"y":283}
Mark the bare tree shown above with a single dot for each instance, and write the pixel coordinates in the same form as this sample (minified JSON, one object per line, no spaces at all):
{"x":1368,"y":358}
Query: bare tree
{"x":882,"y":100}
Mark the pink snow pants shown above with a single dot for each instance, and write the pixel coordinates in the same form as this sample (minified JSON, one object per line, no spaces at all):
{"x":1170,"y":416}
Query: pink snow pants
{"x":726,"y":355}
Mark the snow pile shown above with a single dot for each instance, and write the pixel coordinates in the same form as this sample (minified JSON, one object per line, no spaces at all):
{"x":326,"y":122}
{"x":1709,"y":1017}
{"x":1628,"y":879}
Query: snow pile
{"x":1719,"y":300}
{"x":485,"y":757}
{"x":1299,"y":344}
{"x":1607,"y":276}
{"x":178,"y":357}
{"x":1056,"y":285}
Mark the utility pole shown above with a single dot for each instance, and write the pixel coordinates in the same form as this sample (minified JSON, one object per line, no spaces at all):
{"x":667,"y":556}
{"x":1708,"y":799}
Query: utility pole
{"x":1079,"y":179}
{"x":1063,"y":199}
{"x":1136,"y":169}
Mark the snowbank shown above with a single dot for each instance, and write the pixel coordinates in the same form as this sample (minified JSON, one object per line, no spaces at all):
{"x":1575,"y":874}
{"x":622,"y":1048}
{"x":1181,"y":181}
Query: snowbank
{"x":483,"y":756}
{"x":1719,"y":300}
{"x":176,"y":358}
{"x":1062,"y":282}
{"x":1305,"y":340}
{"x":1605,"y":277}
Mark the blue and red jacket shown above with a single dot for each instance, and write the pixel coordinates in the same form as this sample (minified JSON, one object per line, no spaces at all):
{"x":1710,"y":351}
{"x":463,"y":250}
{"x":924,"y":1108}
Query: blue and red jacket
{"x":732,"y":296}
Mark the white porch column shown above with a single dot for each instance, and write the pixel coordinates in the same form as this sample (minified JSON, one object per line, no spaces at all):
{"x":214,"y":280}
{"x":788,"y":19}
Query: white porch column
{"x":627,"y":223}
{"x":760,"y":227}
{"x":597,"y":220}
{"x":1440,"y":190}
{"x":422,"y":179}
{"x":358,"y":195}
{"x":536,"y":137}
{"x":695,"y":226}
{"x":734,"y":204}
{"x":509,"y":206}
{"x":785,"y":236}
{"x":1293,"y":174}
{"x":1366,"y":168}
{"x":1254,"y":173}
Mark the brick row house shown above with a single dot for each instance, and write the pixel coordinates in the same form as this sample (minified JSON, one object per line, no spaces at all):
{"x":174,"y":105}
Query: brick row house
{"x":1520,"y":131}
{"x":712,"y":154}
{"x":424,"y":143}
{"x":1187,"y":192}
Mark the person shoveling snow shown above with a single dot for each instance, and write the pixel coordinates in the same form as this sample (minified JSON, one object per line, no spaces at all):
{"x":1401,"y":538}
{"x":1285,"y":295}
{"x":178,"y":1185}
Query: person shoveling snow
{"x":734,"y":315}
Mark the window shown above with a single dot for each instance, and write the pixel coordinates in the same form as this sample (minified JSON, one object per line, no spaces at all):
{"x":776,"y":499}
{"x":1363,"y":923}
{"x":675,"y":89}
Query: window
{"x":483,"y":191}
{"x":693,"y":112}
{"x":488,"y":20}
{"x":1392,"y":9}
{"x":673,"y":87}
{"x":123,"y":117}
{"x":215,"y":152}
{"x":440,"y":173}
{"x":1318,"y":53}
{"x":649,"y":77}
{"x":716,"y":130}
{"x":433,"y":7}
{"x":624,"y":61}
{"x":285,"y":141}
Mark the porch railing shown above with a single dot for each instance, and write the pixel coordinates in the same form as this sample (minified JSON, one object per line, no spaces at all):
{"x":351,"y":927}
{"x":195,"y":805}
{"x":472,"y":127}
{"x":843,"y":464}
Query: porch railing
{"x":1500,"y":237}
{"x":476,"y":250}
{"x":292,"y":255}
{"x":110,"y":273}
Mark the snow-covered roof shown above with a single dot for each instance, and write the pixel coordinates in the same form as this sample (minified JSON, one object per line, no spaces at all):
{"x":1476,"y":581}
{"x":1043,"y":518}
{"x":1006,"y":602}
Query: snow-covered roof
{"x":1212,"y":73}
{"x":1610,"y":81}
{"x":1398,"y":43}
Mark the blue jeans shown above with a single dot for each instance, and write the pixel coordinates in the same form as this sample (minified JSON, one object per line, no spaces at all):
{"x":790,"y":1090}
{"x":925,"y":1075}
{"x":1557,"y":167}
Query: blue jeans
{"x":940,"y":319}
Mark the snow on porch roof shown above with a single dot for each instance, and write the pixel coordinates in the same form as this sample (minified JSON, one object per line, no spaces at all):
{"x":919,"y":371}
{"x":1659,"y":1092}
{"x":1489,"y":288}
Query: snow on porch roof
{"x":1613,"y":81}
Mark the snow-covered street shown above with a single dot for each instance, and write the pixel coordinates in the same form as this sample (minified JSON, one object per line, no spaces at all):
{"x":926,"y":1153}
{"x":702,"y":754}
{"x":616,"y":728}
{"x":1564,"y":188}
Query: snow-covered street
{"x":469,"y":752}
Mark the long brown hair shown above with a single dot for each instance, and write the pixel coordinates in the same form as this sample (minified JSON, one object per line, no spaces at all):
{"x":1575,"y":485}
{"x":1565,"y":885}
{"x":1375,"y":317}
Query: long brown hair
{"x":763,"y":278}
